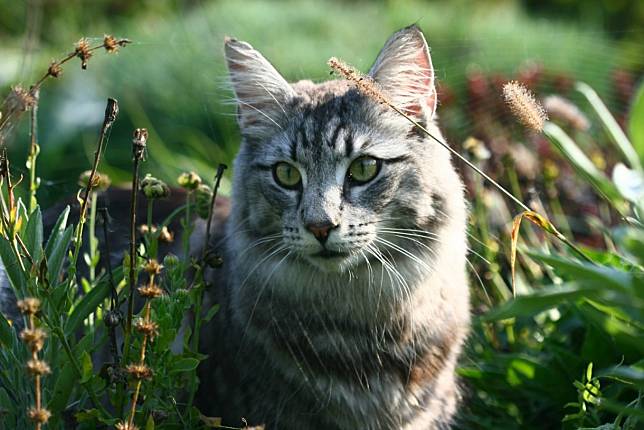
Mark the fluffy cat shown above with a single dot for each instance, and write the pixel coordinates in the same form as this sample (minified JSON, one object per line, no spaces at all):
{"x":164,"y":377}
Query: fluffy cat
{"x":344,"y":297}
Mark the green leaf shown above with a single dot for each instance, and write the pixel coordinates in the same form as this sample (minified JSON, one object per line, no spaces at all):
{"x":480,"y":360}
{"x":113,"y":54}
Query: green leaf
{"x":211,"y":313}
{"x":63,"y":387}
{"x":87,"y":369}
{"x":87,"y":305}
{"x":33,"y":235}
{"x":149,"y":425}
{"x":627,"y":374}
{"x":184,"y":365}
{"x":597,"y":275}
{"x":539,"y":301}
{"x":6,"y":332}
{"x":578,"y":159}
{"x":12,"y":267}
{"x":57,"y":232}
{"x":57,"y":256}
{"x":636,"y":123}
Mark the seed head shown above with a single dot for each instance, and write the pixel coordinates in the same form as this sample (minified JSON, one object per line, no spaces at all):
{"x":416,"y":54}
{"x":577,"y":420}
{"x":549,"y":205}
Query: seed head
{"x":150,"y":291}
{"x":34,"y":337}
{"x":189,"y":180}
{"x":563,"y":109}
{"x":83,"y":51}
{"x":139,"y":142}
{"x":154,"y":188}
{"x":524,"y":106}
{"x":126,"y":426}
{"x":113,"y":318}
{"x":203,"y":198}
{"x":364,"y":83}
{"x":38,"y":367}
{"x":148,"y":328}
{"x":29,"y":305}
{"x":139,"y":371}
{"x":39,"y":415}
{"x":166,"y":235}
{"x":100,"y":180}
{"x":110,"y":44}
{"x":54,"y":70}
{"x":19,"y":99}
{"x":152,"y":267}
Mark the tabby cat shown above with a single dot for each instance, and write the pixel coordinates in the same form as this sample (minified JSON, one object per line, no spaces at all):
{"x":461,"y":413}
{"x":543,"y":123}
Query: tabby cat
{"x":344,"y":298}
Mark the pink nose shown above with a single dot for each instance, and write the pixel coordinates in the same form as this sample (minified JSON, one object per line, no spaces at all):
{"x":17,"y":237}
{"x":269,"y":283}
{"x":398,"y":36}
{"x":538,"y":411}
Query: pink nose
{"x":321,"y":230}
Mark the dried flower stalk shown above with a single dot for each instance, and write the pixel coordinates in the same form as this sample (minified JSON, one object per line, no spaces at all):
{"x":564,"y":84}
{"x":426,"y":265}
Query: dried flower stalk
{"x":35,"y":337}
{"x":139,"y":371}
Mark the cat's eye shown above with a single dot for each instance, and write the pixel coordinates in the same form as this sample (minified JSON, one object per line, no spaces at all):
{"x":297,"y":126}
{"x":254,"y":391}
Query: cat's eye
{"x":364,"y":169}
{"x":286,"y":175}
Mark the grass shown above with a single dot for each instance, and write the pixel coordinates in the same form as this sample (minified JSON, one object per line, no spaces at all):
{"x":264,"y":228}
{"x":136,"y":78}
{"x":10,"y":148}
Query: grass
{"x":565,"y":353}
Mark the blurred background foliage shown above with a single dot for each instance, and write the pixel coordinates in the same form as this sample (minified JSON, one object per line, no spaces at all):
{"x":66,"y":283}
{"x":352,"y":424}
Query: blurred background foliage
{"x":172,"y":79}
{"x":529,"y":360}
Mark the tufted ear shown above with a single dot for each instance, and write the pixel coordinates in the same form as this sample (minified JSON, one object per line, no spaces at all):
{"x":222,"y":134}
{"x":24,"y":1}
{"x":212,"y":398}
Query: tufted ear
{"x":261,"y":92}
{"x":405,"y":72}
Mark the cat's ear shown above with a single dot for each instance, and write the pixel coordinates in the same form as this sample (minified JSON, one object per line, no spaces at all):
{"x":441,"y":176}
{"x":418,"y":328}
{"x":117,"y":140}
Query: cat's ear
{"x":261,"y":92}
{"x":404,"y":71}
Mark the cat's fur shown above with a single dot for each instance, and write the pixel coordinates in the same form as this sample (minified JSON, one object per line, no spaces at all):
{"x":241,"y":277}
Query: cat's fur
{"x":366,"y":341}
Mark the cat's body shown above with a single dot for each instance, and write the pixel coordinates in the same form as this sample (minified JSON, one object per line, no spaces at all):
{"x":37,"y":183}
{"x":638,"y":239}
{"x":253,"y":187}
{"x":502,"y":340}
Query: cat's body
{"x":344,"y":301}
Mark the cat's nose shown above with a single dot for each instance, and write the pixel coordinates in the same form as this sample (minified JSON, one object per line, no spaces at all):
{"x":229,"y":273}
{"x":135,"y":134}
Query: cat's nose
{"x":321,"y":230}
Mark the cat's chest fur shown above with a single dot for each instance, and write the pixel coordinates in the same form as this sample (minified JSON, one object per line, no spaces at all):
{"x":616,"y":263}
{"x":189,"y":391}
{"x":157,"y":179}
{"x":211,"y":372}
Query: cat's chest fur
{"x":295,"y":348}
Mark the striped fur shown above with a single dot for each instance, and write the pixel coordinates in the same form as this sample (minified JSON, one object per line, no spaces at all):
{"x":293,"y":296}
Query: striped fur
{"x":368,"y":340}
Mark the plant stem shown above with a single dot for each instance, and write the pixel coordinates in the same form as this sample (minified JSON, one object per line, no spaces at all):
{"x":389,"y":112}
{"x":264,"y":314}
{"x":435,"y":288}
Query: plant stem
{"x":139,"y":143}
{"x":34,"y":150}
{"x":200,"y":277}
{"x":111,"y":112}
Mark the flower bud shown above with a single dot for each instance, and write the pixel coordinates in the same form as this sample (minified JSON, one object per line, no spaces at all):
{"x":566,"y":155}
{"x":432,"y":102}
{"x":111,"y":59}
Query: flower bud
{"x":189,"y":180}
{"x":154,"y":188}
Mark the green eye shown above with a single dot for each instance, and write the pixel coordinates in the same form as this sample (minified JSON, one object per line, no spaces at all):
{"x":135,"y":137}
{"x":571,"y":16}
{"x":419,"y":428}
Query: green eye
{"x":364,"y":169}
{"x":286,"y":175}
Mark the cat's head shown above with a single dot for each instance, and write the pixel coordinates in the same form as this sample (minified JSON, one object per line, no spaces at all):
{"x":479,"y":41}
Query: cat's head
{"x":331,"y":176}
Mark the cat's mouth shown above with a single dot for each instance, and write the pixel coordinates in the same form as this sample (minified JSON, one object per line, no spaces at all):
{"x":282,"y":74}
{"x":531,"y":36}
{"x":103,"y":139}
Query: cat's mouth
{"x":329,"y":254}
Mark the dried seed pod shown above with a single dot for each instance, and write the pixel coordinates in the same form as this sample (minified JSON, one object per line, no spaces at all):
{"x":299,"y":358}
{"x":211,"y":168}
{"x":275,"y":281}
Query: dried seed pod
{"x":39,"y":415}
{"x":152,"y":267}
{"x":139,"y":371}
{"x":83,"y":51}
{"x":148,"y":328}
{"x":154,"y":188}
{"x":166,"y":235}
{"x":150,"y":291}
{"x":29,"y":305}
{"x":34,"y":337}
{"x":37,"y":367}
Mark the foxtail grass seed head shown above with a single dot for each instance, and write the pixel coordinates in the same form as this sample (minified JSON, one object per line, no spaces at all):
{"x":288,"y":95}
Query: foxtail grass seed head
{"x":126,"y":426}
{"x":139,"y":371}
{"x":37,"y":367}
{"x":364,"y":83}
{"x":29,"y":306}
{"x":83,"y":51}
{"x":189,"y":180}
{"x":39,"y":415}
{"x":150,"y":291}
{"x":34,"y":337}
{"x":154,"y":188}
{"x":564,"y":110}
{"x":100,"y":181}
{"x":203,"y":199}
{"x":524,"y":106}
{"x":148,"y":328}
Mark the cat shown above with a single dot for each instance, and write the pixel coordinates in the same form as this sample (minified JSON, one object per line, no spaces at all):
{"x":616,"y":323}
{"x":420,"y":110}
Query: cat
{"x":344,"y":296}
